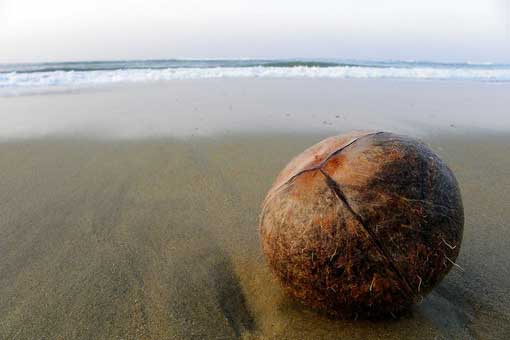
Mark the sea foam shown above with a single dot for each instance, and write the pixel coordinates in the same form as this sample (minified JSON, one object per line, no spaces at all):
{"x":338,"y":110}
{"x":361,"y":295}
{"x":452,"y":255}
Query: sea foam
{"x":18,"y":81}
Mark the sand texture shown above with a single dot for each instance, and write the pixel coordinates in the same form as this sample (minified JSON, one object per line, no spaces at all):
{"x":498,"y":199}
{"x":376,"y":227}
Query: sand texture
{"x":158,"y":240}
{"x":132,"y":212}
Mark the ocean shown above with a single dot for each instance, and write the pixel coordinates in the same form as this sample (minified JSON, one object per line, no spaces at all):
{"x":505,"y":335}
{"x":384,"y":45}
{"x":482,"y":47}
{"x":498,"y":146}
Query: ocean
{"x":21,"y":77}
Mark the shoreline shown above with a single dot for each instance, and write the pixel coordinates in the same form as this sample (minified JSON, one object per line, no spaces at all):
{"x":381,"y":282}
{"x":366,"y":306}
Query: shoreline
{"x":244,"y":106}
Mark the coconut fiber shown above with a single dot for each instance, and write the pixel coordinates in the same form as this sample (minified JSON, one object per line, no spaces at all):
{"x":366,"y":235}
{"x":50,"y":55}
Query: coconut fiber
{"x":362,"y":225}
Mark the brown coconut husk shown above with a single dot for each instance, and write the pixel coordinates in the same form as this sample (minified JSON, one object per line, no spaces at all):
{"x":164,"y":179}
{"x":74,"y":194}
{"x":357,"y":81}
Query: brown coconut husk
{"x":362,"y":225}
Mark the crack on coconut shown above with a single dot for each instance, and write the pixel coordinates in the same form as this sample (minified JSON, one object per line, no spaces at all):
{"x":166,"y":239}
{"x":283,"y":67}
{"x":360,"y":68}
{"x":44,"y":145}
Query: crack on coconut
{"x":274,"y":191}
{"x":341,"y":197}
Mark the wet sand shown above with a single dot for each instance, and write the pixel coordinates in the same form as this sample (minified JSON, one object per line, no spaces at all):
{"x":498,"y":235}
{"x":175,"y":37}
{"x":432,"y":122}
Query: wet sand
{"x":156,"y":238}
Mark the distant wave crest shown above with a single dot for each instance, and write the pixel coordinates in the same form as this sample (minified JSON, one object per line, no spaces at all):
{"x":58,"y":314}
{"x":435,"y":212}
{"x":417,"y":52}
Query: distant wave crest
{"x":19,"y":77}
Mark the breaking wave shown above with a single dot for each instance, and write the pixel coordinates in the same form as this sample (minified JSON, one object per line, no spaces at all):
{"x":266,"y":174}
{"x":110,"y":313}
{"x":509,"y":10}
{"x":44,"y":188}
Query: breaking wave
{"x":84,"y":74}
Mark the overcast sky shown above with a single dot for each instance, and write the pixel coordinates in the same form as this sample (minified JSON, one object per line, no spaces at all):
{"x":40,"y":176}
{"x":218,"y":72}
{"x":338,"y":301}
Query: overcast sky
{"x":448,"y":30}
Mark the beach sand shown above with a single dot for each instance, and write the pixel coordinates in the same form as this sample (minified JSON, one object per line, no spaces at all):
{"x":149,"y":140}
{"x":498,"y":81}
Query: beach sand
{"x":146,"y":230}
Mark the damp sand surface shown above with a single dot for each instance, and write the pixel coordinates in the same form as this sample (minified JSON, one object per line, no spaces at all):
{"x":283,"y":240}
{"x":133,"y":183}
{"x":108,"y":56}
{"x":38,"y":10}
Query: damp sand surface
{"x":156,"y":238}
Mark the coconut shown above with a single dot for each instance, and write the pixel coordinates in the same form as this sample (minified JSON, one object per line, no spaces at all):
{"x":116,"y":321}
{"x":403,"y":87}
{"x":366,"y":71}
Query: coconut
{"x":362,"y":225}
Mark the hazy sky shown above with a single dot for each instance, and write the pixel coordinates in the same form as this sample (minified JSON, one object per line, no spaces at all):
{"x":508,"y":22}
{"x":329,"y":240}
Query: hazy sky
{"x":55,"y":30}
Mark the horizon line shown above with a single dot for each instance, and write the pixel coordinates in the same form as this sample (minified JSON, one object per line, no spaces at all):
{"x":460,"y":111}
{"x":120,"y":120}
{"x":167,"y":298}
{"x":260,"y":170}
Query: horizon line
{"x":308,"y":59}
